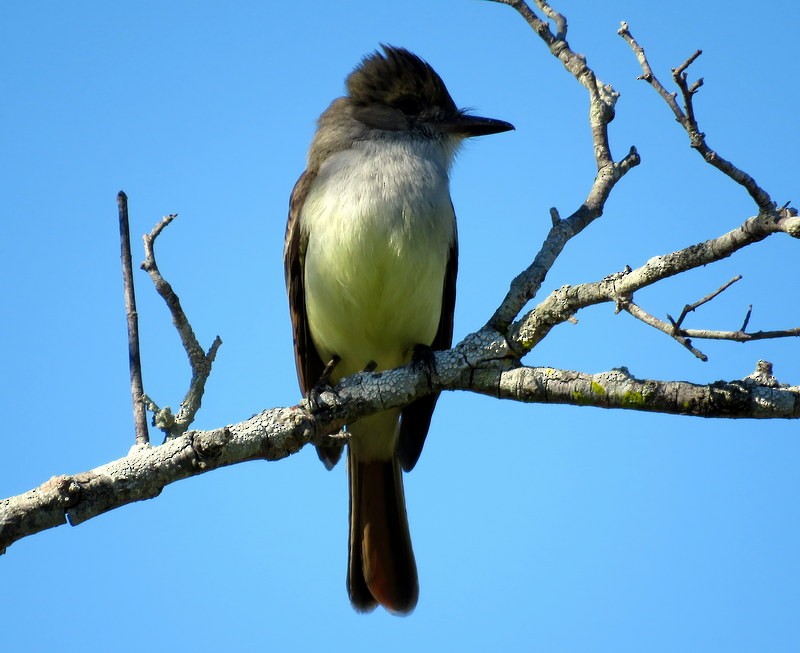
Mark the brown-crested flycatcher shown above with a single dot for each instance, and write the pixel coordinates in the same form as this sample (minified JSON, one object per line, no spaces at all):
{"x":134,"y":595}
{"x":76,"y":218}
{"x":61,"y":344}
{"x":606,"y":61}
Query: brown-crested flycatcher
{"x":370,"y":257}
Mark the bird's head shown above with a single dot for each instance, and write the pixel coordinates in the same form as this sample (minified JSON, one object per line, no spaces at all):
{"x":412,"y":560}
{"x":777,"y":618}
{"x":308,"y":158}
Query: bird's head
{"x":397,"y":91}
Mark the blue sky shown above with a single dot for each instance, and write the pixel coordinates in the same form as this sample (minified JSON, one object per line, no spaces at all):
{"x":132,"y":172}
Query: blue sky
{"x":536,"y":528}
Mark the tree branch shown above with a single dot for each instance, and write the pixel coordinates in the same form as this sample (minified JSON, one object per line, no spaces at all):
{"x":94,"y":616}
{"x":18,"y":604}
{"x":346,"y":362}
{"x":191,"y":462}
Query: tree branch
{"x":563,"y":303}
{"x":485,"y":362}
{"x":686,"y":117}
{"x":602,"y":99}
{"x":682,"y":336}
{"x":636,"y":311}
{"x":132,"y":318}
{"x":199,"y":360}
{"x":689,"y":308}
{"x":741,"y":336}
{"x":480,"y":363}
{"x":619,"y":389}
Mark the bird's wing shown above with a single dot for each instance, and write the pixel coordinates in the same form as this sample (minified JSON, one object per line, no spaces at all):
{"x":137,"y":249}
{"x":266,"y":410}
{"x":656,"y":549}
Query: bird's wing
{"x":309,"y":364}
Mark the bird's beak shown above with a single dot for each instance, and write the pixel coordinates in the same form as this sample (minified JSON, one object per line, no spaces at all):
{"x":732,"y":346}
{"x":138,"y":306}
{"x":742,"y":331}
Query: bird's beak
{"x":469,"y":126}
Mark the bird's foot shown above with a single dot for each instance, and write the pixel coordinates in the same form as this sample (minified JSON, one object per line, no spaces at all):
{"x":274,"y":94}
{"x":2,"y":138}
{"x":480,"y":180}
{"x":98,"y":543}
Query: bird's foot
{"x":424,"y":357}
{"x":322,"y":385}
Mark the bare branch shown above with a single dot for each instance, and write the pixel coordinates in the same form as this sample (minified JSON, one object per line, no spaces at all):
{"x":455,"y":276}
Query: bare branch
{"x":619,"y":389}
{"x":144,"y":472}
{"x":686,"y":117}
{"x":199,"y":360}
{"x":682,"y":336}
{"x":481,"y":363}
{"x":135,"y":362}
{"x":602,"y":99}
{"x":566,"y":301}
{"x":486,"y":362}
{"x":647,"y":72}
{"x":680,"y":70}
{"x":668,"y":328}
{"x":747,"y":318}
{"x":557,"y":18}
{"x":691,"y":307}
{"x":741,"y":336}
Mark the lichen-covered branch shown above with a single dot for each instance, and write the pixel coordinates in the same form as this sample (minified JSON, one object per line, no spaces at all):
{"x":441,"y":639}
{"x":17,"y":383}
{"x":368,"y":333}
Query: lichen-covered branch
{"x":146,"y":470}
{"x":619,"y":389}
{"x":563,"y":303}
{"x":486,"y":362}
{"x":481,"y":363}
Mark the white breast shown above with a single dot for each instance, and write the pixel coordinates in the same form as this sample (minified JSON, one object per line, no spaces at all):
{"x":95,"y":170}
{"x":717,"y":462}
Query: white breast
{"x":380,"y":225}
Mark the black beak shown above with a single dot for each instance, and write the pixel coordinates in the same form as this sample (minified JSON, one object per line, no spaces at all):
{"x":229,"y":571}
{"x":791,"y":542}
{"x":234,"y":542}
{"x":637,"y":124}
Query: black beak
{"x":469,"y":126}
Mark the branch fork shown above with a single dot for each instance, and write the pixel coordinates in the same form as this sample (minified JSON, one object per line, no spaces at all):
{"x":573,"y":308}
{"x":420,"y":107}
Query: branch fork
{"x":200,"y":361}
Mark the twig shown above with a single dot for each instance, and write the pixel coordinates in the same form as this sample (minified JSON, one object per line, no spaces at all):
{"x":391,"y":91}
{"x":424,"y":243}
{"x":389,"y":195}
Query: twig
{"x":558,"y":19}
{"x":686,"y":117}
{"x":640,"y":314}
{"x":199,"y":360}
{"x":137,"y":387}
{"x":602,"y":99}
{"x":741,"y":336}
{"x":683,"y":336}
{"x":691,"y":307}
{"x":746,"y":318}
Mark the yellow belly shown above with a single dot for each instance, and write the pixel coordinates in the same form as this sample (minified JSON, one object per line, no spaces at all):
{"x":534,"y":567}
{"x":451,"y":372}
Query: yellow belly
{"x":375,"y":304}
{"x":378,"y":244}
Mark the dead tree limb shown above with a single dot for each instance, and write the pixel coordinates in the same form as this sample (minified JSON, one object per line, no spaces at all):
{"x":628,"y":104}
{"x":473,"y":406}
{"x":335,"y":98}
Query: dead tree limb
{"x":486,"y":362}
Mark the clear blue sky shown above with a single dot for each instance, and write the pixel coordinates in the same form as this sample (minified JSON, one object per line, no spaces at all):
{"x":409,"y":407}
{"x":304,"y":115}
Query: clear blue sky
{"x":536,"y":528}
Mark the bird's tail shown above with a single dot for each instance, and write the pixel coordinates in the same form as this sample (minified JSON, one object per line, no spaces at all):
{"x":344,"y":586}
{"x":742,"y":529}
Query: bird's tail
{"x":381,"y":567}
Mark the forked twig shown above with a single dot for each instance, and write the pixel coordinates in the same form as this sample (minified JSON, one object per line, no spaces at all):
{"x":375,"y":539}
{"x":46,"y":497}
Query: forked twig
{"x":686,"y":117}
{"x":636,"y":311}
{"x":199,"y":360}
{"x":684,"y":336}
{"x":676,"y":324}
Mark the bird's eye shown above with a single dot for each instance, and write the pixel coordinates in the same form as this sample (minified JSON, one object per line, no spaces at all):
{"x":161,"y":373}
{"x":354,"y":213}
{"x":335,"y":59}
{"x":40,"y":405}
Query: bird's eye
{"x":409,"y":105}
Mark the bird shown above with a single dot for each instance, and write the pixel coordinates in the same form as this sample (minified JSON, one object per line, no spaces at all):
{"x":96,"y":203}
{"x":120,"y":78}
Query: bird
{"x":370,"y":259}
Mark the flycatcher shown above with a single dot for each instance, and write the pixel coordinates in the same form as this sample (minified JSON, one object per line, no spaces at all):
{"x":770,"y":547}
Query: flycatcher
{"x":370,"y":257}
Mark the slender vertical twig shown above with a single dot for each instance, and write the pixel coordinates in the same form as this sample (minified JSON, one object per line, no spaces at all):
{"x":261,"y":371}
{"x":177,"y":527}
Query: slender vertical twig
{"x":137,"y":388}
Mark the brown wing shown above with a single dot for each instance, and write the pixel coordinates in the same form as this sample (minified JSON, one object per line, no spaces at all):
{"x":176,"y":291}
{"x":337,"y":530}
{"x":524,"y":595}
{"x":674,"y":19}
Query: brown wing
{"x":308,"y":362}
{"x":416,"y":417}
